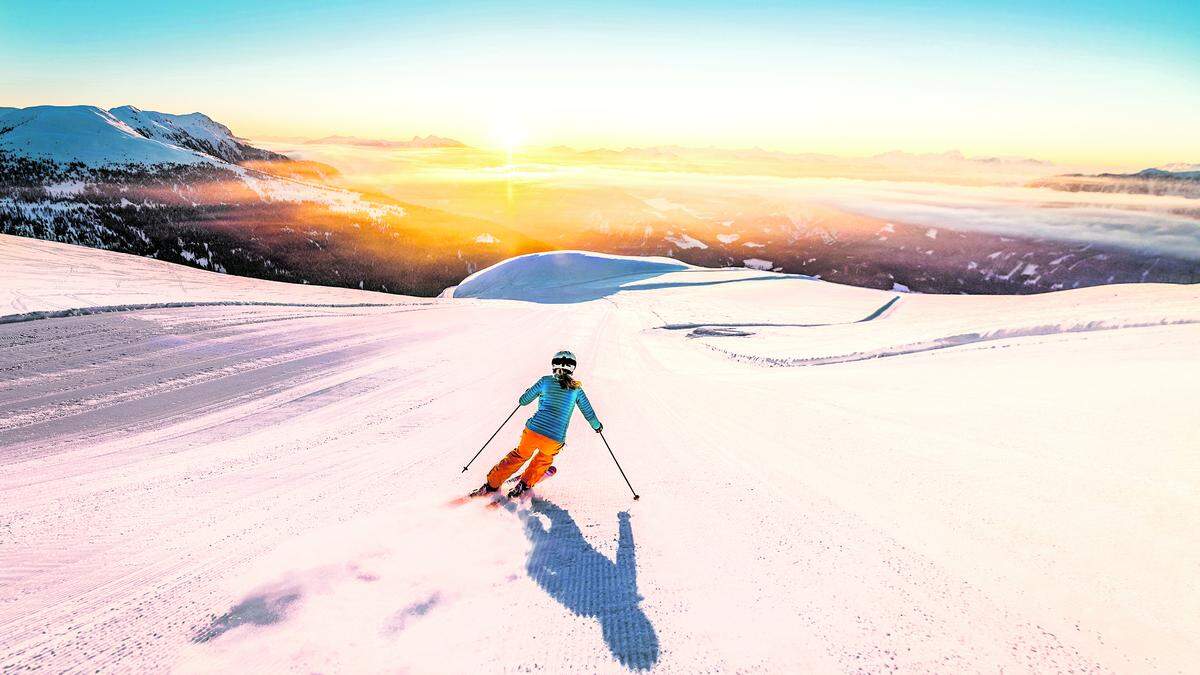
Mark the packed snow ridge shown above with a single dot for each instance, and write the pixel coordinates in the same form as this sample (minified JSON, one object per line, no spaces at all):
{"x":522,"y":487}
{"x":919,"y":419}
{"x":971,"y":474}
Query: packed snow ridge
{"x":562,"y":276}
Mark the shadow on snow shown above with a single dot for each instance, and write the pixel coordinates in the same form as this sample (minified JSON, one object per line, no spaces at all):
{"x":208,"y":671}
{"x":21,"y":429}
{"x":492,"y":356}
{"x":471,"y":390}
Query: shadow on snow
{"x":263,"y":609}
{"x":584,"y":581}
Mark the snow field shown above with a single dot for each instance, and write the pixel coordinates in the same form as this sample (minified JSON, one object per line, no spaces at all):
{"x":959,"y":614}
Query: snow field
{"x":199,"y":488}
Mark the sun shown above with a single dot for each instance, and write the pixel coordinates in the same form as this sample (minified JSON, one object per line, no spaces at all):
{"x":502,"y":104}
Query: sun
{"x":508,"y":135}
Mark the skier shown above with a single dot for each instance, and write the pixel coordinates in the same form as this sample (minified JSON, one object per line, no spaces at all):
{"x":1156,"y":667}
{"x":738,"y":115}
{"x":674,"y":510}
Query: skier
{"x":546,"y":431}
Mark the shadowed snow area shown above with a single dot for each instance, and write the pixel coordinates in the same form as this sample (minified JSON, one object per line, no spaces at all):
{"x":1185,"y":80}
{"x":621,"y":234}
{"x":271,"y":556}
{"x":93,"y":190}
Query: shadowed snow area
{"x":218,"y":473}
{"x":262,"y":609}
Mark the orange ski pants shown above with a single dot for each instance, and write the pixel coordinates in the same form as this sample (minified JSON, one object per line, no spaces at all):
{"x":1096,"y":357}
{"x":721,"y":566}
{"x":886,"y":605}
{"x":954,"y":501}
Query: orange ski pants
{"x":531,"y":442}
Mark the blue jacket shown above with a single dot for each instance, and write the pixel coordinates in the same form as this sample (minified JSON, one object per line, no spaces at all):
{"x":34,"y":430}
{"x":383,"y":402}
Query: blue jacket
{"x":555,"y":408}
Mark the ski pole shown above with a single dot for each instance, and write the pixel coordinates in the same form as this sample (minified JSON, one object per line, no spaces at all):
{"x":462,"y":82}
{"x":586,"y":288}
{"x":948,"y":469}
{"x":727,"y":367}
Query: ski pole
{"x":636,"y":496}
{"x":489,"y":440}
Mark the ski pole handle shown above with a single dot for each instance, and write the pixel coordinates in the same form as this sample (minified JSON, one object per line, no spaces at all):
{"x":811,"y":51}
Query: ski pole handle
{"x":489,"y":440}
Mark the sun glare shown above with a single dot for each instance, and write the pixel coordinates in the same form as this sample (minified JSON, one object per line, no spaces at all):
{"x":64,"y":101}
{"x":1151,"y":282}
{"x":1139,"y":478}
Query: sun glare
{"x":508,"y":136}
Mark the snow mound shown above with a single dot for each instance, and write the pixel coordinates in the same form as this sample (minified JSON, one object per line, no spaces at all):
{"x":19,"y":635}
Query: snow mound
{"x":85,"y":134}
{"x":562,"y":276}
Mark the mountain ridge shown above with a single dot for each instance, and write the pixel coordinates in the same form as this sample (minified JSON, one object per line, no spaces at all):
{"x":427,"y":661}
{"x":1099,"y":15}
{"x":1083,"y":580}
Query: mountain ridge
{"x":125,"y":135}
{"x":1178,"y":179}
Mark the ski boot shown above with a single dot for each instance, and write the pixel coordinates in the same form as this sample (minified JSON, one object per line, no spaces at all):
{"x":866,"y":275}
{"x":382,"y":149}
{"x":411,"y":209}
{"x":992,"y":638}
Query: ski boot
{"x":519,"y":489}
{"x":483,"y":491}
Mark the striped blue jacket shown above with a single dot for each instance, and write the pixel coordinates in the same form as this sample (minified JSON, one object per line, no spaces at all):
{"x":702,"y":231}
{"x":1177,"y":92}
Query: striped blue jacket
{"x":555,"y":408}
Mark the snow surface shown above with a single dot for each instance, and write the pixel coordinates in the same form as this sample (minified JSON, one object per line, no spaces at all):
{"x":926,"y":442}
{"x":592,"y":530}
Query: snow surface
{"x":89,"y":278}
{"x":89,"y":135}
{"x":202,"y":488}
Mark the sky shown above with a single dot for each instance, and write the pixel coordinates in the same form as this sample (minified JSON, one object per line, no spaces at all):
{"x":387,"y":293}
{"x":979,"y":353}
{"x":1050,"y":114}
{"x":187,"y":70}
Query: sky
{"x":1102,"y":83}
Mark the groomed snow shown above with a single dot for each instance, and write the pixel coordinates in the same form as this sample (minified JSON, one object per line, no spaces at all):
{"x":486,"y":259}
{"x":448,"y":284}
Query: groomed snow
{"x":216,"y":488}
{"x":90,"y":279}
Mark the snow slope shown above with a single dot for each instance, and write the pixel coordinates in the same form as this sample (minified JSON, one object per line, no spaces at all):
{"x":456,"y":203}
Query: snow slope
{"x":88,"y":280}
{"x":201,"y":488}
{"x":88,"y":135}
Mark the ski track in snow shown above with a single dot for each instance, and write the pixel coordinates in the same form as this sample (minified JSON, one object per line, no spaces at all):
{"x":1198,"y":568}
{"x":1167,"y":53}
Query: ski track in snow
{"x":199,"y":488}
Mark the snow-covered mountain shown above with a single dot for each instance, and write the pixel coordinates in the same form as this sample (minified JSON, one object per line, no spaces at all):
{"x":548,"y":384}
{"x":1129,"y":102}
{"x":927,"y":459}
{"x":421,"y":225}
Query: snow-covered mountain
{"x":196,"y":131}
{"x":184,"y":188}
{"x":94,"y":137}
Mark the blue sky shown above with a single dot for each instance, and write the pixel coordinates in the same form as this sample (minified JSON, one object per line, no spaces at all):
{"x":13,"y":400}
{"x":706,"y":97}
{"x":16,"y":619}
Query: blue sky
{"x":1099,"y":81}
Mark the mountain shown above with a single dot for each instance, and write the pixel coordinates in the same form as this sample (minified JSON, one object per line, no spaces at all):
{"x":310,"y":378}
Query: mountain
{"x":1192,"y":172}
{"x":184,"y":188}
{"x":196,"y":131}
{"x":1181,"y":180}
{"x":92,"y":137}
{"x":416,"y":142}
{"x":1180,"y":167}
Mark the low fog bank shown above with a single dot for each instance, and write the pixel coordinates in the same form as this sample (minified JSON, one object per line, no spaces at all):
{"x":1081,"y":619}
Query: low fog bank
{"x":546,"y":191}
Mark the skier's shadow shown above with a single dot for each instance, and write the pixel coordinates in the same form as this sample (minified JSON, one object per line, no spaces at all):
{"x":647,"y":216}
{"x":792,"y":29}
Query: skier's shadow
{"x":575,"y":574}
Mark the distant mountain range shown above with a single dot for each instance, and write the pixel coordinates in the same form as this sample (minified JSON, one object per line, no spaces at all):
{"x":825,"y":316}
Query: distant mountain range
{"x":183,"y":188}
{"x":416,"y":142}
{"x":952,"y":167}
{"x":1182,"y":180}
{"x":951,"y":157}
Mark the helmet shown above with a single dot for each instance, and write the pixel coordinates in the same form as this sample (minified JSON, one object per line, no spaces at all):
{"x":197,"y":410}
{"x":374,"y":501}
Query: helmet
{"x":563,"y":364}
